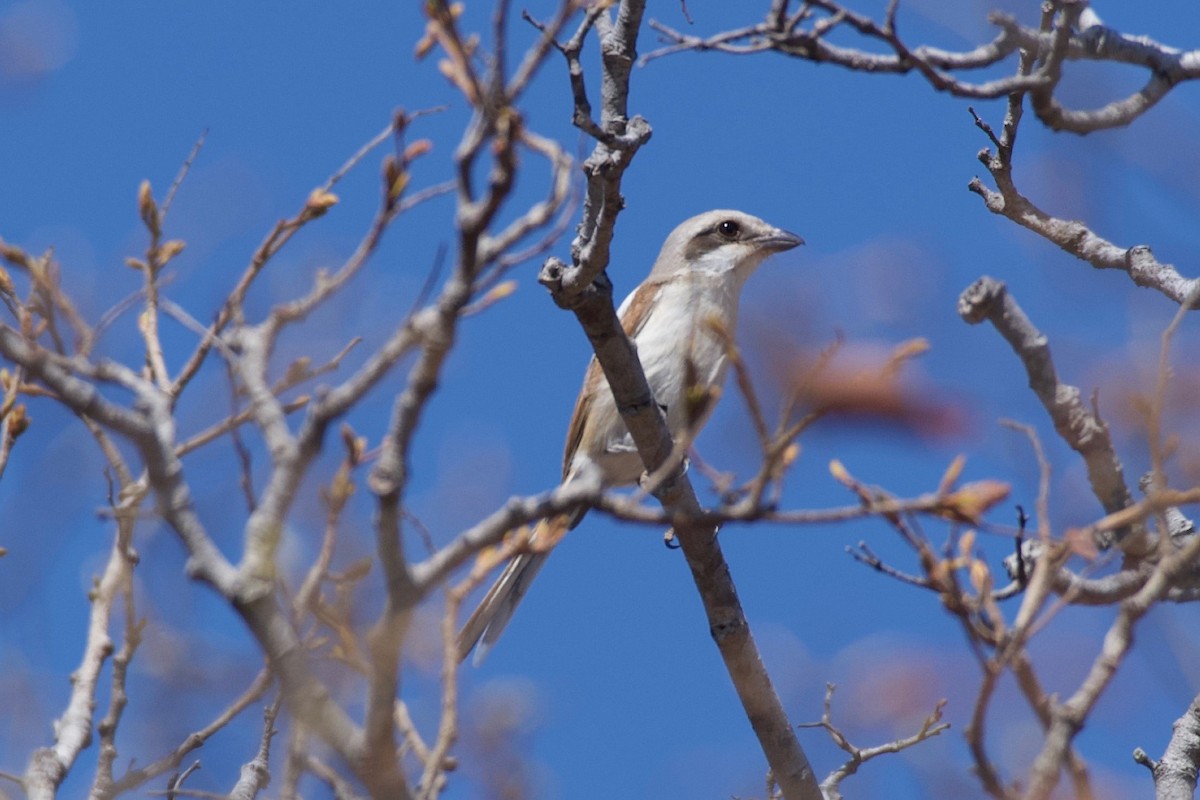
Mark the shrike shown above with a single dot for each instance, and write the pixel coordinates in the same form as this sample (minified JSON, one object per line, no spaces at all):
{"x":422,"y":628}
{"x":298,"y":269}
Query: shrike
{"x":680,"y":319}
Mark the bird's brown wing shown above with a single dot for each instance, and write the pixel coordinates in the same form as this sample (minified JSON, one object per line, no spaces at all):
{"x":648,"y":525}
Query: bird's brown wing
{"x":633,"y":319}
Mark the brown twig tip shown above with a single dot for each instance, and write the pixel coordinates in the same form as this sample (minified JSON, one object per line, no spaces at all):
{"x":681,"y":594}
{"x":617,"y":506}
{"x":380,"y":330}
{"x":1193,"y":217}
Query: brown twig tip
{"x":979,"y":300}
{"x":147,"y":209}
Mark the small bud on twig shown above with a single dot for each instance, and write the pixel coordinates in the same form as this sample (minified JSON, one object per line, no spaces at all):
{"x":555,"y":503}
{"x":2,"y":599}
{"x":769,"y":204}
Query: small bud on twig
{"x":319,"y":202}
{"x":169,"y":250}
{"x":493,"y":296}
{"x":148,"y":209}
{"x":18,"y":420}
{"x":395,"y":179}
{"x":417,"y":149}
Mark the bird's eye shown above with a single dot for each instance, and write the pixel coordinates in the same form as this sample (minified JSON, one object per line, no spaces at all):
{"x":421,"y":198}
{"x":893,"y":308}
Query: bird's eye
{"x":729,"y":229}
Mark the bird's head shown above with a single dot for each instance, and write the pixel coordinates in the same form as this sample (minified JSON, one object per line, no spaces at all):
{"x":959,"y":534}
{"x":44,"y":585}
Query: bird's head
{"x":720,"y":242}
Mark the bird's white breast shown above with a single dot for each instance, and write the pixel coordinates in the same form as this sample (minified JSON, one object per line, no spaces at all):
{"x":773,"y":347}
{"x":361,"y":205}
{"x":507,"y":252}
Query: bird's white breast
{"x":676,"y":331}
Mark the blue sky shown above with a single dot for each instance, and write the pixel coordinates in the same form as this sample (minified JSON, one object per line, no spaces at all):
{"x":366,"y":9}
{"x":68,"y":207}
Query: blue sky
{"x":608,"y":669}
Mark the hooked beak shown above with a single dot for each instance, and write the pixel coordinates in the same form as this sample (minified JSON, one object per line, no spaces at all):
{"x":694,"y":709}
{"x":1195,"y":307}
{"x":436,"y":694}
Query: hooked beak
{"x":779,"y":240}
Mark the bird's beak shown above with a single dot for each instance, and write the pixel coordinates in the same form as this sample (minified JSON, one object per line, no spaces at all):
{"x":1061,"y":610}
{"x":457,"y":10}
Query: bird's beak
{"x":779,"y":240}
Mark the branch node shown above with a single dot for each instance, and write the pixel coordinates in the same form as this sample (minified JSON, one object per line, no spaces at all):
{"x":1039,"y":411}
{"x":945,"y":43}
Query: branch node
{"x":978,"y":301}
{"x":1140,"y":756}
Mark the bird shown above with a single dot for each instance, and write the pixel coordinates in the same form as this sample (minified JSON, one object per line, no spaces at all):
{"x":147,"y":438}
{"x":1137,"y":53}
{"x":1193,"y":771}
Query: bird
{"x":681,"y":319}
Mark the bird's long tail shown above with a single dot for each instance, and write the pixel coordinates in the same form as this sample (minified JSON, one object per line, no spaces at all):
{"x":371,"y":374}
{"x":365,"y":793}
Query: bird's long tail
{"x":489,"y":619}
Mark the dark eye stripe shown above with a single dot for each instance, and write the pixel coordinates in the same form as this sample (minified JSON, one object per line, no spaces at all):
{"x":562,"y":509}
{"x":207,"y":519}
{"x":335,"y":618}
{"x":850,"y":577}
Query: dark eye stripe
{"x":706,"y":241}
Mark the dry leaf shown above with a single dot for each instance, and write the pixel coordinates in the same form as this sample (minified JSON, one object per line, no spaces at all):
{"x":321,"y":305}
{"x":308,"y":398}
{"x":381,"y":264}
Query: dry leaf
{"x":486,"y":559}
{"x":952,"y":474}
{"x":356,"y":571}
{"x":14,"y":255}
{"x":981,"y":577}
{"x":1081,"y":544}
{"x":911,"y":348}
{"x":417,"y":149}
{"x":298,"y":371}
{"x":972,"y":501}
{"x":494,"y":295}
{"x":426,"y":43}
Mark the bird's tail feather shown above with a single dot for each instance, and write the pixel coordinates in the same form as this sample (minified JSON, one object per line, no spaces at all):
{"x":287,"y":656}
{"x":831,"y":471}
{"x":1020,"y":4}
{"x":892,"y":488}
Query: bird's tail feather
{"x":483,"y":628}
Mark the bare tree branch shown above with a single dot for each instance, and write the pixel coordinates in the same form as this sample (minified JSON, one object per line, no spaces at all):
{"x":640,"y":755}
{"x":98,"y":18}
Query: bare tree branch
{"x":136,"y":776}
{"x":313,"y":640}
{"x":1072,"y":39}
{"x":73,"y":731}
{"x":1167,"y":67}
{"x":1067,"y":718}
{"x":831,"y":786}
{"x":1079,"y":427}
{"x":585,"y":290}
{"x":1175,"y":773}
{"x":256,"y":773}
{"x":1076,"y":238}
{"x":314,"y":207}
